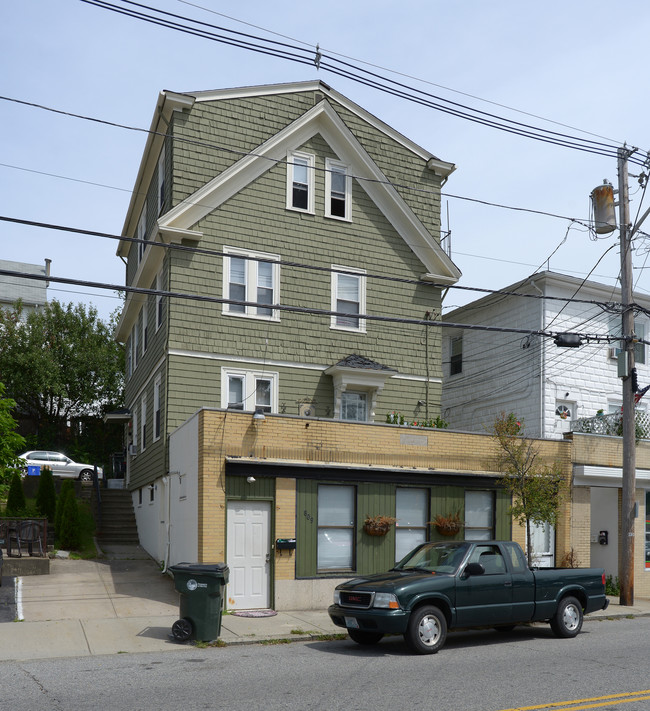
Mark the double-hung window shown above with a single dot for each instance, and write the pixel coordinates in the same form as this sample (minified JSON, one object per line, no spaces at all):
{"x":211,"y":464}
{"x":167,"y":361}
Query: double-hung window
{"x":336,"y":527}
{"x":300,"y":182}
{"x":161,"y":180}
{"x":159,"y":300}
{"x":348,"y":299}
{"x":156,"y":409}
{"x":337,"y":190}
{"x":412,"y":513}
{"x":479,"y":515}
{"x":143,"y":423}
{"x":145,"y":327}
{"x":248,"y":279}
{"x":142,"y":232}
{"x":455,"y":355}
{"x":249,"y":390}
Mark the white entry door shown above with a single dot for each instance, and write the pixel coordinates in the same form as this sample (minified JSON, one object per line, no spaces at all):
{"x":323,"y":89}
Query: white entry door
{"x":543,"y":541}
{"x":249,"y":554}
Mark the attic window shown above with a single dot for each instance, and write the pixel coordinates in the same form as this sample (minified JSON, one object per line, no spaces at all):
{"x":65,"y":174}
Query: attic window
{"x":337,"y":190}
{"x":300,"y":182}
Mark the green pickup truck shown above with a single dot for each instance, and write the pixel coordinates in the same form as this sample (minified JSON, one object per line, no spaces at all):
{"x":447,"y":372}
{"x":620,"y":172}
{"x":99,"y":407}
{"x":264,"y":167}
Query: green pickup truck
{"x":460,"y":584}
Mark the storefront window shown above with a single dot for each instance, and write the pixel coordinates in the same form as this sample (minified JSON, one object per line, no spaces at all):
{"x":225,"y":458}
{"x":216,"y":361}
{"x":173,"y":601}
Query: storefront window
{"x":411,"y":511}
{"x":335,"y":527}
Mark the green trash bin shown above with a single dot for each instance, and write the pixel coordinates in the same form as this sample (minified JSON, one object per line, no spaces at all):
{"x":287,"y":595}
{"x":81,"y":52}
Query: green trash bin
{"x":201,"y":586}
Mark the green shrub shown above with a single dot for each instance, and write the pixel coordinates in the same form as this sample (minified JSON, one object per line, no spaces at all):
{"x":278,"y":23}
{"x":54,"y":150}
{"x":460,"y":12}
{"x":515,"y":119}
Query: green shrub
{"x":16,"y":503}
{"x":67,"y":489}
{"x":69,"y":533}
{"x":46,"y":495}
{"x":612,"y":586}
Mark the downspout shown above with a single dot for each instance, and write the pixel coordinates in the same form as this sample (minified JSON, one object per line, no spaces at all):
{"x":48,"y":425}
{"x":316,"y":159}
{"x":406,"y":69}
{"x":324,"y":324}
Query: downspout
{"x":166,"y":480}
{"x":542,"y":359}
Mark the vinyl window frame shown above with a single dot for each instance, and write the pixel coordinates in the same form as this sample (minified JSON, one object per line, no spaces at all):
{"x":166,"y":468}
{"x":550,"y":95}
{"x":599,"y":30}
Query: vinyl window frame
{"x":157,"y":413}
{"x":251,"y":282}
{"x":308,"y":160}
{"x":249,"y":378}
{"x":337,"y":322}
{"x":331,"y":167}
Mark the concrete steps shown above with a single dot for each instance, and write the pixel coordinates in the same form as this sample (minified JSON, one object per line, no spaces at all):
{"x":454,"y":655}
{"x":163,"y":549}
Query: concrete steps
{"x":116,"y":519}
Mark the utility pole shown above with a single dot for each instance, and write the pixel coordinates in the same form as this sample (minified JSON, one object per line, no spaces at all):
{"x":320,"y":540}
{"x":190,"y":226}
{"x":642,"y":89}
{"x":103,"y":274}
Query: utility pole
{"x":626,"y":563}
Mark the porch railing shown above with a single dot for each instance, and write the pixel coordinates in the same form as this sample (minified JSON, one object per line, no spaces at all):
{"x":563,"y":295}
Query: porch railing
{"x":612,"y":425}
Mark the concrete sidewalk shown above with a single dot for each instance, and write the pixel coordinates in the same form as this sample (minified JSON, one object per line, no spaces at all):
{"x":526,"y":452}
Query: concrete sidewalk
{"x":117,"y":604}
{"x":123,"y":604}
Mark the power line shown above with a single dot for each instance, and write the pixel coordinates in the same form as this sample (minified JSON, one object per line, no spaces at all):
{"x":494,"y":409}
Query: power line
{"x":298,"y":265}
{"x":350,"y":71}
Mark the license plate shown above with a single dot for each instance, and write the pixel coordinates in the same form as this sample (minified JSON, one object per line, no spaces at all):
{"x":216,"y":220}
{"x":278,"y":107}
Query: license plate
{"x":352,"y":622}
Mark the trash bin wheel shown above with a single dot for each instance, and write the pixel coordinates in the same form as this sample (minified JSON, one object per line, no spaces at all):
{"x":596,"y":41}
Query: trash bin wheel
{"x":182,"y":629}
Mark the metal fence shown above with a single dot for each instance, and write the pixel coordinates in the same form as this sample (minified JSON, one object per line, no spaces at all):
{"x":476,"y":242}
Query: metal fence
{"x":612,"y":425}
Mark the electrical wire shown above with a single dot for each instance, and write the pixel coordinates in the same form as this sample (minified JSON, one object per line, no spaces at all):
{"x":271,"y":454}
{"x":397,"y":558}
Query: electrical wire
{"x":357,"y":74}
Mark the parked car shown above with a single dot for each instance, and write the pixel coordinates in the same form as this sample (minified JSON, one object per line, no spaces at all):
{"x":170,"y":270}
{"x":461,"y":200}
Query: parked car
{"x":439,"y":586}
{"x":60,"y":464}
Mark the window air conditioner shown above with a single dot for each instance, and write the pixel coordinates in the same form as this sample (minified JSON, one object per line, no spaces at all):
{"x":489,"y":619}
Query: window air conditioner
{"x":613,"y":352}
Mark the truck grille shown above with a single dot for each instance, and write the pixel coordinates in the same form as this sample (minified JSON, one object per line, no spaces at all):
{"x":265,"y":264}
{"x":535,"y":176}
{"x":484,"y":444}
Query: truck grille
{"x":356,"y":599}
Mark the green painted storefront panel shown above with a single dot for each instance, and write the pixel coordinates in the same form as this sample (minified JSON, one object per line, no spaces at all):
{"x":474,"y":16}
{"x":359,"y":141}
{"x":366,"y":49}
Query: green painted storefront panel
{"x":237,"y":487}
{"x":375,"y":553}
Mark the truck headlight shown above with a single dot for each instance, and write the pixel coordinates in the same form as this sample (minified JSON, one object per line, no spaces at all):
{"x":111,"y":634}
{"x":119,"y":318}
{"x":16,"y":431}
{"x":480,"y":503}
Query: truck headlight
{"x":386,"y":600}
{"x":337,"y":597}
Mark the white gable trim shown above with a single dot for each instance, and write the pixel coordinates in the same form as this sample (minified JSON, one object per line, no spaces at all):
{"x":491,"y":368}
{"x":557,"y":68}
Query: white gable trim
{"x":440,"y":167}
{"x":323,"y":120}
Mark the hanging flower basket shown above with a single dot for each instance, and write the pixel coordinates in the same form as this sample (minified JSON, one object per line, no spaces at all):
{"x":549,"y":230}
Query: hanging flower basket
{"x":449,"y":524}
{"x":378,"y":525}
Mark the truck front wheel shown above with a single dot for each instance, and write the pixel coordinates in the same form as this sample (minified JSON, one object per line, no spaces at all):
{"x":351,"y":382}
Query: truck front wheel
{"x":567,"y":621}
{"x":427,"y":630}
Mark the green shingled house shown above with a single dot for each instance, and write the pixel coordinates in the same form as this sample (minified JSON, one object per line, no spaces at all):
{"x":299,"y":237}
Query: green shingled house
{"x":269,"y":226}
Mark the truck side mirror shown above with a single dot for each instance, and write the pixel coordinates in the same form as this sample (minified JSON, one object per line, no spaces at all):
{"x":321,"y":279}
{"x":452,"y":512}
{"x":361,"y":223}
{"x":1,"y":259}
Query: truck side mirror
{"x":474,"y":569}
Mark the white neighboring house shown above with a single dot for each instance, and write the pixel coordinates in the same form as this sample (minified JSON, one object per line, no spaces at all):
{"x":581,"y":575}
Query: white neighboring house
{"x":546,"y":386}
{"x":33,"y":292}
{"x":485,"y":373}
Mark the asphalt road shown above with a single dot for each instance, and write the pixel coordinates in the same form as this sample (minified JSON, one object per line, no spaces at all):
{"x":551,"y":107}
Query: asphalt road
{"x":476,"y":671}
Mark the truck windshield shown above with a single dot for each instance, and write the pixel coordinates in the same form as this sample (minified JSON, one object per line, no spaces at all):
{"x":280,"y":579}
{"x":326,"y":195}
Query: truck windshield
{"x":435,"y":557}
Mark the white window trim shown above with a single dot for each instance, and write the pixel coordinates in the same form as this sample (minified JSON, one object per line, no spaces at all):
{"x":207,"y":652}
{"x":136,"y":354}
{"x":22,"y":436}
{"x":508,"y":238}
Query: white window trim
{"x":156,"y":408}
{"x":142,"y":232}
{"x":134,"y":428}
{"x":158,"y":300}
{"x":143,"y":423}
{"x":129,"y":358}
{"x":161,"y":179}
{"x":145,"y":326}
{"x":250,"y":377}
{"x":136,"y":345}
{"x":311,"y":161}
{"x":251,"y":283}
{"x":337,"y":166}
{"x":362,"y":297}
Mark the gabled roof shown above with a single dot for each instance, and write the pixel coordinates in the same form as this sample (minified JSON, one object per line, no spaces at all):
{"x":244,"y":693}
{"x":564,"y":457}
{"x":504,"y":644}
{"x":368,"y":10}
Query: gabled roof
{"x":321,"y":119}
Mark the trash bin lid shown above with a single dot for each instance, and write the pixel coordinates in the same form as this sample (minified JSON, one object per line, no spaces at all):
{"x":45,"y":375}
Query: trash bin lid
{"x":199,"y":568}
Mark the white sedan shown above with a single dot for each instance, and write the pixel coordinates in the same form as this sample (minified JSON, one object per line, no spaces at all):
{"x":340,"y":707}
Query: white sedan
{"x":60,"y":465}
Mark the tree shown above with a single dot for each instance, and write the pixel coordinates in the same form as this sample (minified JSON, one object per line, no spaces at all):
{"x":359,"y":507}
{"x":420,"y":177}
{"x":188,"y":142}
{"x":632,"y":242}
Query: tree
{"x":16,"y":503}
{"x":69,"y":535}
{"x":537,"y":490}
{"x":46,"y":494}
{"x":10,"y":441}
{"x":61,"y":364}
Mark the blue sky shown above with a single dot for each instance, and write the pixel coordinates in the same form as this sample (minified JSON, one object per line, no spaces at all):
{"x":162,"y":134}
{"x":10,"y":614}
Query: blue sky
{"x":582,"y":64}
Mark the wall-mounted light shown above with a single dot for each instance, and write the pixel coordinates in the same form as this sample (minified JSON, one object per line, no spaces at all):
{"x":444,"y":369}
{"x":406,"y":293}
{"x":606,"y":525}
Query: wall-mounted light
{"x":250,"y":479}
{"x":259,"y":414}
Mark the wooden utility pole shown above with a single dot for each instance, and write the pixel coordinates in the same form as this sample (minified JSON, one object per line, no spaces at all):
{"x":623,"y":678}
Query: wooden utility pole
{"x":626,"y":563}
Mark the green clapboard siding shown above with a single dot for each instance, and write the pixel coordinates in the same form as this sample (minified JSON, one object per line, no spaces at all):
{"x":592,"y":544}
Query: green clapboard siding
{"x":238,"y":488}
{"x":446,"y":500}
{"x":375,"y":553}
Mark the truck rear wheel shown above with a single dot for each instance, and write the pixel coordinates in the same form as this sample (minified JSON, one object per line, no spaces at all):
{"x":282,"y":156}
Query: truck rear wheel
{"x":567,"y":621}
{"x":427,"y":630}
{"x":361,"y":637}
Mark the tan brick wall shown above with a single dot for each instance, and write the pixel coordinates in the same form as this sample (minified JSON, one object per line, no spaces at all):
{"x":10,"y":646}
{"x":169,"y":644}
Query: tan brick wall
{"x":297,"y":440}
{"x":580,"y":525}
{"x":285,"y":527}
